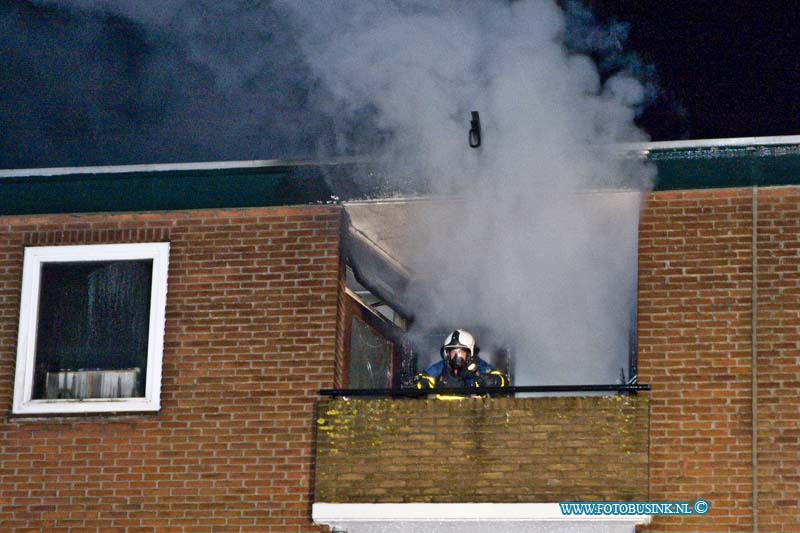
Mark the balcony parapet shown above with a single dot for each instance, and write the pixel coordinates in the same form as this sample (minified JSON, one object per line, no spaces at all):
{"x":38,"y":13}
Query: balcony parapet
{"x":499,"y":450}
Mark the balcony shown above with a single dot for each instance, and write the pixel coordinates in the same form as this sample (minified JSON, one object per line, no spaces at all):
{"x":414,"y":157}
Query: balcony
{"x":383,"y":464}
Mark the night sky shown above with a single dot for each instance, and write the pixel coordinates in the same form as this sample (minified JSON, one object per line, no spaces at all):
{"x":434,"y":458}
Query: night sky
{"x":82,"y":88}
{"x":725,"y":69}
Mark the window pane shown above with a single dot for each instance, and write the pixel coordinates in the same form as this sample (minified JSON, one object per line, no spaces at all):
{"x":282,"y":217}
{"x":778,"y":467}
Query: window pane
{"x":92,"y":329}
{"x":370,"y":358}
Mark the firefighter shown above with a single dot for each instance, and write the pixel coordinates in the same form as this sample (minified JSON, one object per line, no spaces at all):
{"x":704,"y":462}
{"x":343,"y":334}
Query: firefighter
{"x":460,"y":366}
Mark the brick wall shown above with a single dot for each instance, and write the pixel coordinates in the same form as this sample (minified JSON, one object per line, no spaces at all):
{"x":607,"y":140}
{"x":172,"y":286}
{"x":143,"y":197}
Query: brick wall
{"x":250,"y":338}
{"x":251,"y":335}
{"x":694,"y":346}
{"x":695,"y":310}
{"x":500,"y":450}
{"x":340,"y":365}
{"x":779,"y":359}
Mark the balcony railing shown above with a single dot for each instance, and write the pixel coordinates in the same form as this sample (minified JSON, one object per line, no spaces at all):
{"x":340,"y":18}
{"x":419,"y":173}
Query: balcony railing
{"x":485,"y":391}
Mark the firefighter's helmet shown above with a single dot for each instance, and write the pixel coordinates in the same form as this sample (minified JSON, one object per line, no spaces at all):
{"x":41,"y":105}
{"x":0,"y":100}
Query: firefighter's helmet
{"x":459,"y":338}
{"x":463,"y":339}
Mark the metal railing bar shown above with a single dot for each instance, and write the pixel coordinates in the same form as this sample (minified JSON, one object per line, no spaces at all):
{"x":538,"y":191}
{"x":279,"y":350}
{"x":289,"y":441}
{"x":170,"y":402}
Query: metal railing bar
{"x":486,"y":391}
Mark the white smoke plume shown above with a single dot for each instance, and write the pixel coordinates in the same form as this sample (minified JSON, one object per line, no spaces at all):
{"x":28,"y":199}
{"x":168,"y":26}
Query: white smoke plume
{"x":530,"y":254}
{"x":525,"y":254}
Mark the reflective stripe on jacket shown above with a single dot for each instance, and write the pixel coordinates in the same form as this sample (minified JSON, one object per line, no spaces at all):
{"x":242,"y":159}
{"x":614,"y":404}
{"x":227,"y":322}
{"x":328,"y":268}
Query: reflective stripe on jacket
{"x":441,"y":375}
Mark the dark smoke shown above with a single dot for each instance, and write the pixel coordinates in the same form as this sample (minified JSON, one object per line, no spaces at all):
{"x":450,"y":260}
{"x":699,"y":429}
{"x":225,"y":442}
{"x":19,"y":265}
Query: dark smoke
{"x":96,"y":83}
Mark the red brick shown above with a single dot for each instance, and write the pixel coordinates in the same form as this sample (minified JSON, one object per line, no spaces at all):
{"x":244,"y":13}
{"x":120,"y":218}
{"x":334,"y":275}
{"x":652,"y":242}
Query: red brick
{"x":206,"y":460}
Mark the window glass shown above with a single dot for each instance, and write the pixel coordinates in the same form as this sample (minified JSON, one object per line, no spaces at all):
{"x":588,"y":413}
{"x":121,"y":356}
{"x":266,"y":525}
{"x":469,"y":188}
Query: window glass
{"x":370,"y":358}
{"x":92,"y":329}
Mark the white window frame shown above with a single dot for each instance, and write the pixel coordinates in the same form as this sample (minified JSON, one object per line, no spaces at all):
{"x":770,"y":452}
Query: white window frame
{"x":28,"y":321}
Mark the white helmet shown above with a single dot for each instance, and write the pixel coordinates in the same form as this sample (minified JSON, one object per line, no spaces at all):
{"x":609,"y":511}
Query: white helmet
{"x":460,"y":338}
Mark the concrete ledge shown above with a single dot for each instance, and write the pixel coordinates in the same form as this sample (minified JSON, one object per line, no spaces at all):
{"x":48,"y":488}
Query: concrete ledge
{"x":465,"y":517}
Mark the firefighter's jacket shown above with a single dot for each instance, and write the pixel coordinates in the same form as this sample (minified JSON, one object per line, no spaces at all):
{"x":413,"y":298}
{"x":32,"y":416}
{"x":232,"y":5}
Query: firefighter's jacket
{"x":440,"y":375}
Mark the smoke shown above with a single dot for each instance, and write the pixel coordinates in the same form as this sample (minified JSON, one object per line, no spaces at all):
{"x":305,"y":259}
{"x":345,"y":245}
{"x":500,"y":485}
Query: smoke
{"x":520,"y":251}
{"x":524,"y":255}
{"x":89,"y":82}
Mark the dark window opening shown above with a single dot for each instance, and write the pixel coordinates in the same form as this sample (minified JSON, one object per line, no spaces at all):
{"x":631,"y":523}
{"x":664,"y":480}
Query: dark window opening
{"x":93,"y":329}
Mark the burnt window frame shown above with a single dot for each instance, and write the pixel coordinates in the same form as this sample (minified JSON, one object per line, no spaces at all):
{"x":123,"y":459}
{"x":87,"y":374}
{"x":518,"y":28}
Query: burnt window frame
{"x":356,"y":309}
{"x":35,"y":257}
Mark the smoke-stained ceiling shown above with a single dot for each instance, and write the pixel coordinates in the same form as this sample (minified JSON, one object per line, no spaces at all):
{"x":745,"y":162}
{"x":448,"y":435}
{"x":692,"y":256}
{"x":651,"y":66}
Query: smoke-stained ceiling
{"x":385,"y":223}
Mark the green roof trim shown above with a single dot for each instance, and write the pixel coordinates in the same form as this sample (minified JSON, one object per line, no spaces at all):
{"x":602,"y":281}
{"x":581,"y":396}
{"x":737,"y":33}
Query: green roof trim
{"x":718,"y":167}
{"x":680,"y":165}
{"x":162,"y":190}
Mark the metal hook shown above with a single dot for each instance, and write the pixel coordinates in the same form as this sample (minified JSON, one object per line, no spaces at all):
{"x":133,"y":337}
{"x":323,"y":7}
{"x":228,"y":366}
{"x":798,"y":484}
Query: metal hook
{"x":475,"y":131}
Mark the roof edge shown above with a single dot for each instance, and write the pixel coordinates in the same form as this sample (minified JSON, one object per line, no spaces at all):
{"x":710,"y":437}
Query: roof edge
{"x":643,"y":149}
{"x":173,"y":167}
{"x":734,"y":142}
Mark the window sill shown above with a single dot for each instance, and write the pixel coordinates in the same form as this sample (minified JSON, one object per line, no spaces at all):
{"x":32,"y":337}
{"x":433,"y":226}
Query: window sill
{"x":86,"y":406}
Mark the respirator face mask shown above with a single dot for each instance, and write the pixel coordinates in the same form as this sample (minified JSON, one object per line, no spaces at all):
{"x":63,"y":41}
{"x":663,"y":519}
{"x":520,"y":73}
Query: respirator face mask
{"x":457,"y":358}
